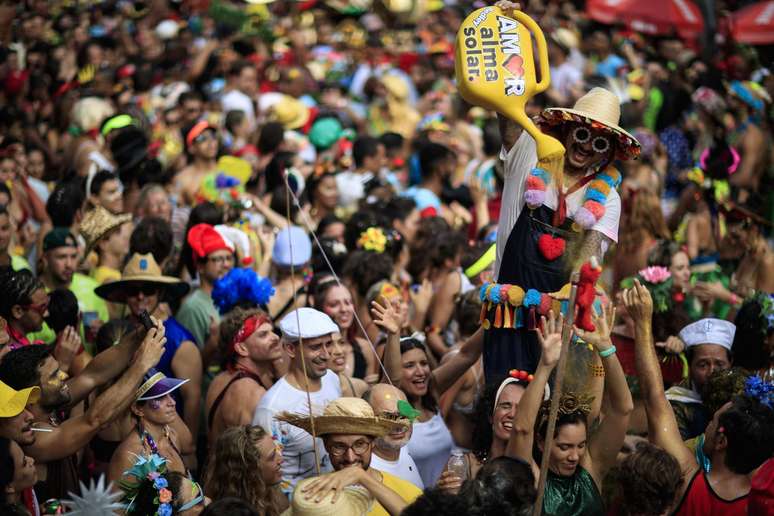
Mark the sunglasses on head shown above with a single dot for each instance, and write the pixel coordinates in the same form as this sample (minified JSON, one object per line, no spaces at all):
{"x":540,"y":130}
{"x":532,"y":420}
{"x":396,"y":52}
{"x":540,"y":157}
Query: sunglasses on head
{"x":199,"y":498}
{"x":205,"y":136}
{"x":600,"y":144}
{"x":148,"y":289}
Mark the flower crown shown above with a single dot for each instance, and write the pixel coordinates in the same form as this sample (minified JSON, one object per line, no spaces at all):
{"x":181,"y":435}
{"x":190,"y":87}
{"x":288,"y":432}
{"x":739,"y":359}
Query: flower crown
{"x":760,"y":390}
{"x":151,"y":469}
{"x":238,"y":286}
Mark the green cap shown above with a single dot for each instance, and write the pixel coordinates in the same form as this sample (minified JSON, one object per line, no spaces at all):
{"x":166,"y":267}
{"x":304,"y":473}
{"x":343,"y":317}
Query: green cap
{"x":58,"y":237}
{"x":325,"y":132}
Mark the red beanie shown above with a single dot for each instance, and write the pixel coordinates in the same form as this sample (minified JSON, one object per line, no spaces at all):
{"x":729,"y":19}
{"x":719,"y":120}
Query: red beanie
{"x":204,"y":240}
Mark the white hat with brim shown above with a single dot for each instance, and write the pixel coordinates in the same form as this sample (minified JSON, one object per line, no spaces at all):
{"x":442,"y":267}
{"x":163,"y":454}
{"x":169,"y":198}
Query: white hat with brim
{"x":600,"y":109}
{"x":351,"y":416}
{"x":709,"y":331}
{"x":352,"y":501}
{"x":142,"y":269}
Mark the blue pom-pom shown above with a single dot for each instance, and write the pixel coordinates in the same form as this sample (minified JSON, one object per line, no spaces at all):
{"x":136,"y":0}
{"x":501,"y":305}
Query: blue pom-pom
{"x":482,"y":292}
{"x":241,"y":285}
{"x":595,"y":195}
{"x":532,"y":298}
{"x":494,"y":295}
{"x":541,"y":173}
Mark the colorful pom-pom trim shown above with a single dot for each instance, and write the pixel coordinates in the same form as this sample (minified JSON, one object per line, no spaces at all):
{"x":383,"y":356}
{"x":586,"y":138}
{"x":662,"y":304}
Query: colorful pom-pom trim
{"x":509,"y":306}
{"x":518,"y":374}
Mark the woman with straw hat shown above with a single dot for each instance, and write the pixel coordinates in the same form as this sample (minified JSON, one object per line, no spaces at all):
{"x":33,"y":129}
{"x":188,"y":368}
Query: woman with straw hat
{"x":143,"y":287}
{"x":551,"y":223}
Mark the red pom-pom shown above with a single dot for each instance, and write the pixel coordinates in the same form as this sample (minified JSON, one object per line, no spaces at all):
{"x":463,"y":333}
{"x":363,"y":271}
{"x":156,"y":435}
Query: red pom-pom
{"x":551,"y":247}
{"x":535,"y":183}
{"x":521,"y":375}
{"x":678,"y":297}
{"x":545,"y":304}
{"x":530,"y":377}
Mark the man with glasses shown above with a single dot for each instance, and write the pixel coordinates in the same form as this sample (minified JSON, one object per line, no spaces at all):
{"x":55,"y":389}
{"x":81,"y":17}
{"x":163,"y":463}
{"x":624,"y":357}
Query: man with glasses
{"x":551,"y":222}
{"x":349,"y":429}
{"x":23,"y":305}
{"x":307,"y":336}
{"x":390,"y":454}
{"x":201,"y":142}
{"x":213,"y":258}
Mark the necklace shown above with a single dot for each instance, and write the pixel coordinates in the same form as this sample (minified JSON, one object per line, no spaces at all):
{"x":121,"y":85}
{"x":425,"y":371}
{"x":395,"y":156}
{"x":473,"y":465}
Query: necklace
{"x":147,"y":439}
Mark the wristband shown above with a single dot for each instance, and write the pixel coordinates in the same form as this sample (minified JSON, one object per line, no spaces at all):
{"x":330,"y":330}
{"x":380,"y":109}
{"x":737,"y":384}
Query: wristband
{"x":606,"y":353}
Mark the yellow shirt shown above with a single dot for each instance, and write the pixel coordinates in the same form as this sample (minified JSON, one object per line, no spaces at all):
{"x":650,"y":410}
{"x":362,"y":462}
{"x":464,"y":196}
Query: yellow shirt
{"x":104,"y":274}
{"x":406,"y":490}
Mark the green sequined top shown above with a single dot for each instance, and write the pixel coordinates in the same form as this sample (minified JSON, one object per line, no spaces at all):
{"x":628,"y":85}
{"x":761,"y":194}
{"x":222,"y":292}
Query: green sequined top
{"x":572,"y":496}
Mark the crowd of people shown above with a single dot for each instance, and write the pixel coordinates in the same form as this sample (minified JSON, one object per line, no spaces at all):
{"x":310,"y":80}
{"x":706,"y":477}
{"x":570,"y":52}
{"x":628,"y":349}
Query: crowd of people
{"x":262,"y":258}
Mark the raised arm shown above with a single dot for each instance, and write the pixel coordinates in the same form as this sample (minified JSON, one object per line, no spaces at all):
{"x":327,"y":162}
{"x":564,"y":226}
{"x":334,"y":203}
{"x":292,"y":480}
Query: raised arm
{"x":387,"y":318}
{"x":106,"y":365}
{"x":75,"y":433}
{"x":591,"y":246}
{"x":445,"y":375}
{"x":662,"y":425}
{"x":522,"y":437}
{"x":606,"y":442}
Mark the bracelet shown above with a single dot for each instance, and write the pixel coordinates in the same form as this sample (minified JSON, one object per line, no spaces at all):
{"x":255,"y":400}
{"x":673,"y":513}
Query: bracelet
{"x":432,"y":330}
{"x":598,"y":371}
{"x":606,"y":353}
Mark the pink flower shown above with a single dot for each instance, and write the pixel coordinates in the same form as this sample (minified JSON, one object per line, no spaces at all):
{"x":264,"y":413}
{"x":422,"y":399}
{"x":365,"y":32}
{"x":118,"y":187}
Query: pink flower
{"x":655,"y":274}
{"x":165,"y":495}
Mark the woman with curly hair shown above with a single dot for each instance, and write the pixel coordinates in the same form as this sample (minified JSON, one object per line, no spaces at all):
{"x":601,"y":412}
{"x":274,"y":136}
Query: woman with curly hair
{"x":245,"y":463}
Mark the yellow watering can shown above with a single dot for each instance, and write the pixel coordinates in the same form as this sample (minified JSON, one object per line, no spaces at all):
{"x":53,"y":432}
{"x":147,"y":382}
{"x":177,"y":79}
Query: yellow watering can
{"x":495,"y":69}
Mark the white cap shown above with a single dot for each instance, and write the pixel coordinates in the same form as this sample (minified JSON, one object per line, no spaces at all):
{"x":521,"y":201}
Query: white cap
{"x":709,"y":331}
{"x":313,"y":324}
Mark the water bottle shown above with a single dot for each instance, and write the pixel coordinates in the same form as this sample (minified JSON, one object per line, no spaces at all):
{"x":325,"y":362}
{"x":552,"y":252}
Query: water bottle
{"x":457,"y":465}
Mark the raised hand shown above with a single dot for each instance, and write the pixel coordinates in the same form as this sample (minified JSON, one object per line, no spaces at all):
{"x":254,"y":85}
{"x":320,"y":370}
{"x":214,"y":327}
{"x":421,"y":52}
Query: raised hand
{"x":68,"y":344}
{"x":600,"y":338}
{"x":638,"y":302}
{"x":152,"y":347}
{"x":550,"y":337}
{"x":386,"y":317}
{"x":508,"y":7}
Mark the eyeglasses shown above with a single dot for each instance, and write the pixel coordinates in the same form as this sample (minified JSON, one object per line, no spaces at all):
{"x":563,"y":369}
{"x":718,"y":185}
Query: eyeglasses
{"x":221,"y":259}
{"x":39,"y":308}
{"x":147,"y":289}
{"x":600,"y":144}
{"x":338,"y":449}
{"x":199,"y":498}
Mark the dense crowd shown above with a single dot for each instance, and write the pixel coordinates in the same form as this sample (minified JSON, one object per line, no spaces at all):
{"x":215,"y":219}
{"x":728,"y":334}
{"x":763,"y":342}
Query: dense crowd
{"x":262,"y":257}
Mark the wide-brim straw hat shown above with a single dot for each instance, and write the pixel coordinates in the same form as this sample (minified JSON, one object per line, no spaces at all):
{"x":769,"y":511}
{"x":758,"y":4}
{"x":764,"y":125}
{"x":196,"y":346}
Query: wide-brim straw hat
{"x":352,"y":501}
{"x":290,"y":112}
{"x":352,"y":416}
{"x":142,"y":268}
{"x":600,"y":109}
{"x":98,"y":223}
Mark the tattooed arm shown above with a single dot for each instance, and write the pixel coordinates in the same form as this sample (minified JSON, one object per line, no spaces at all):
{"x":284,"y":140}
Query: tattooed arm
{"x":591,"y":245}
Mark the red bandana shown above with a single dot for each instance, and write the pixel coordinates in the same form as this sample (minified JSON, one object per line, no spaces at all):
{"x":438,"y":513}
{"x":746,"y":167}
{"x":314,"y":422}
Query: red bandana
{"x":251,"y":324}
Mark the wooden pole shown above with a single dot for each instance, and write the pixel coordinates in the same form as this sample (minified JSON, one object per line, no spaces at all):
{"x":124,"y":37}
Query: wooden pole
{"x":556,"y":394}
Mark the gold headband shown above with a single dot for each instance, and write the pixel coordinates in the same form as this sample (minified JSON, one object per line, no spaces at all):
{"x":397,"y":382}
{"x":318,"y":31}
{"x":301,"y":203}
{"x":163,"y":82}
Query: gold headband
{"x":148,"y":384}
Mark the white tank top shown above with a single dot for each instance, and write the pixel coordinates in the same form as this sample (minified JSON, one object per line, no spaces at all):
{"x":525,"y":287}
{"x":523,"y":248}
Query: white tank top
{"x":430,"y":447}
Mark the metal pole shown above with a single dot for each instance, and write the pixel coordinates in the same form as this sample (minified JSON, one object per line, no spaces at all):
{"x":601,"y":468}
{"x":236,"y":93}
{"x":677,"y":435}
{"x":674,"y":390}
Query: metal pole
{"x":556,"y":394}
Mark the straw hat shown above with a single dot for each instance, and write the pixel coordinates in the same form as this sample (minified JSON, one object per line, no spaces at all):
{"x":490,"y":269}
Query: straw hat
{"x":142,"y":268}
{"x":600,"y":109}
{"x":344,"y":416}
{"x":98,"y":223}
{"x":290,"y":112}
{"x":352,"y":501}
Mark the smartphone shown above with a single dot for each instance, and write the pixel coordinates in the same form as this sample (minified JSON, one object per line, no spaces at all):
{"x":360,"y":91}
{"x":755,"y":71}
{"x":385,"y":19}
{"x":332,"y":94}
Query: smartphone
{"x":146,"y":320}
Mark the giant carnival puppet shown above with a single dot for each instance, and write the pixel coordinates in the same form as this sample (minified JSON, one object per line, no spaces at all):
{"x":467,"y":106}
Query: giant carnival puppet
{"x":560,"y":206}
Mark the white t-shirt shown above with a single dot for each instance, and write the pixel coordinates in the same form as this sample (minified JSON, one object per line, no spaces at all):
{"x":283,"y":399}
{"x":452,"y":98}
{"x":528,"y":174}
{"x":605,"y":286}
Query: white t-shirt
{"x":298,"y":448}
{"x":565,"y":76}
{"x":430,"y":447}
{"x":519,"y":161}
{"x":404,"y":468}
{"x":235,"y":100}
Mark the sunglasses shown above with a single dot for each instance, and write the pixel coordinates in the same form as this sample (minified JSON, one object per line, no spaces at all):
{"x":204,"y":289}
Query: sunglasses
{"x":600,"y":144}
{"x":205,"y":136}
{"x":147,"y":289}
